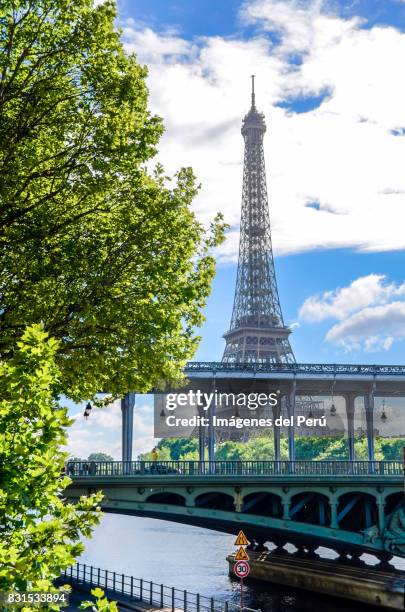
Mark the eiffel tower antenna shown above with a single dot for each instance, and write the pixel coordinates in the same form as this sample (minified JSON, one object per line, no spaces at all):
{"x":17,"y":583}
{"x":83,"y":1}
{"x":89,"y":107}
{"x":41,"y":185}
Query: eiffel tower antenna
{"x":253,"y":91}
{"x":257,"y":332}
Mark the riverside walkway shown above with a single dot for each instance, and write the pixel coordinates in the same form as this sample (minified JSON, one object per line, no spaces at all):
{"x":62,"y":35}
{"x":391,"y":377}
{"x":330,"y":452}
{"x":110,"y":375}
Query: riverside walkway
{"x":142,"y":595}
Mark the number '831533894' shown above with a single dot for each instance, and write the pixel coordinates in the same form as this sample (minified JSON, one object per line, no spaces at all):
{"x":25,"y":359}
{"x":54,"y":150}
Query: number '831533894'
{"x":33,"y":598}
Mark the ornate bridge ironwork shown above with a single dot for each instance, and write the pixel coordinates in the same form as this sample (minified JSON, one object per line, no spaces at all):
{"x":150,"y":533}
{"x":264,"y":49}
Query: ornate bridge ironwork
{"x":326,"y":469}
{"x":317,"y":369}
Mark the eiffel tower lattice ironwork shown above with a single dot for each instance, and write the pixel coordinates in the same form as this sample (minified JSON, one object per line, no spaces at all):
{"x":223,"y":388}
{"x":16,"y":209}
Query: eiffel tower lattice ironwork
{"x":257,"y":332}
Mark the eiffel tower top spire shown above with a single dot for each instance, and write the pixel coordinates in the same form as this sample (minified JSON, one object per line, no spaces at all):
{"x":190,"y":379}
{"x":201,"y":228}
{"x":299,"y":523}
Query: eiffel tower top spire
{"x":253,"y":92}
{"x":257,"y":331}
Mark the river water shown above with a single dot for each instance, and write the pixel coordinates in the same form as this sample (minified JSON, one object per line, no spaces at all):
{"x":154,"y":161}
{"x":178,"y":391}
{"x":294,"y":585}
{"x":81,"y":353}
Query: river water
{"x":190,"y":558}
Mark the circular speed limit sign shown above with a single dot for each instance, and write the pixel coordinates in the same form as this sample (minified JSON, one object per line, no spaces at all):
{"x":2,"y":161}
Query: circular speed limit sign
{"x":241,"y":569}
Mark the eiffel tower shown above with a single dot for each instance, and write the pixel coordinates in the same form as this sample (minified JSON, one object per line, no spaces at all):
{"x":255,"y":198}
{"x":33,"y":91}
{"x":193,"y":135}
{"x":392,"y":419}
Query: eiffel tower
{"x":257,"y":332}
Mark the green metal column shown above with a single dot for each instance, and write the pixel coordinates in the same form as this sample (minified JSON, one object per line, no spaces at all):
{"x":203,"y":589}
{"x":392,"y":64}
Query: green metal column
{"x":276,"y":430}
{"x":211,"y":428}
{"x":127,"y":409}
{"x":291,"y":416}
{"x":369,"y":408}
{"x":350,"y":406}
{"x":333,"y":514}
{"x":381,"y":514}
{"x":201,"y":440}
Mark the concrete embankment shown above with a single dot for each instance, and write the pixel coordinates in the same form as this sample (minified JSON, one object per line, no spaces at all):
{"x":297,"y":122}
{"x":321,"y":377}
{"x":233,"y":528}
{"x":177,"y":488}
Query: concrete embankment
{"x":380,"y":589}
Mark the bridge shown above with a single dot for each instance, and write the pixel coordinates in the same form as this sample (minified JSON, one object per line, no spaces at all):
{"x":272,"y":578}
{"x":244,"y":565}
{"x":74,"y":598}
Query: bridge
{"x":349,"y":506}
{"x":358,"y":386}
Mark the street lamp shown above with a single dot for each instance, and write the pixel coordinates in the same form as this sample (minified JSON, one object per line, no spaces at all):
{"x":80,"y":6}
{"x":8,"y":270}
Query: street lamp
{"x":87,"y":410}
{"x":383,"y":416}
{"x":332,"y":392}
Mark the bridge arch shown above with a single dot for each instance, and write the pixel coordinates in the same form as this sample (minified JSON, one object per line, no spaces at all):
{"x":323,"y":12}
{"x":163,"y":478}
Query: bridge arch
{"x":215,"y":500}
{"x":310,"y":507}
{"x":357,"y":511}
{"x":263,"y":504}
{"x":168,"y":498}
{"x":393,"y":502}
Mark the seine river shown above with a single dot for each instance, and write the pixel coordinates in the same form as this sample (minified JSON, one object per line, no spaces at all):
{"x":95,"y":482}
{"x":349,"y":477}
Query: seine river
{"x":189,"y":558}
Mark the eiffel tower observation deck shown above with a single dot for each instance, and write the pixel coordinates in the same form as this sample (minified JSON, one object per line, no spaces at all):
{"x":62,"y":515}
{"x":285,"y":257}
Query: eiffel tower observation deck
{"x":257,"y":332}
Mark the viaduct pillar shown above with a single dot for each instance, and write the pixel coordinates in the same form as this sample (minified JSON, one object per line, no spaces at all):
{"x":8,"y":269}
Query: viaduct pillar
{"x":127,"y":409}
{"x":349,"y":400}
{"x":291,"y":431}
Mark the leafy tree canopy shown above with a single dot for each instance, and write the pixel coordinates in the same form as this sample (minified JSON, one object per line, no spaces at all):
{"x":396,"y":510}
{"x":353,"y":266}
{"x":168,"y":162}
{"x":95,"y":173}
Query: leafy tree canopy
{"x":100,"y":457}
{"x":108,"y":255}
{"x":39,"y":531}
{"x":260,"y":448}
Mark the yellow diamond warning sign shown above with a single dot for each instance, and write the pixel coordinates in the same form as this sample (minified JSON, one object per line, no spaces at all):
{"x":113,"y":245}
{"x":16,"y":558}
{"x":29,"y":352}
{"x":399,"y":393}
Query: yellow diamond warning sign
{"x":241,"y":540}
{"x":241,"y":555}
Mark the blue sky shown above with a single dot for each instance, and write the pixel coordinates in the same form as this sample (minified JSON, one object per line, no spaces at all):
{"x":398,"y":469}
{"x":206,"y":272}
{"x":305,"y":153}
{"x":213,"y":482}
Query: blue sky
{"x":330,"y":82}
{"x":322,"y":83}
{"x":220,"y":17}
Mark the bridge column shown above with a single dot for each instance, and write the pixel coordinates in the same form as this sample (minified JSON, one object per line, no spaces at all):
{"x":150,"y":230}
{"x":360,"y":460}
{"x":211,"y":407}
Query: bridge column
{"x":381,"y":514}
{"x":277,"y":431}
{"x":349,"y":400}
{"x":333,"y":514}
{"x":369,"y":409}
{"x":211,"y":435}
{"x":211,"y":432}
{"x":291,"y":430}
{"x":201,"y":444}
{"x":127,"y":409}
{"x":286,"y":509}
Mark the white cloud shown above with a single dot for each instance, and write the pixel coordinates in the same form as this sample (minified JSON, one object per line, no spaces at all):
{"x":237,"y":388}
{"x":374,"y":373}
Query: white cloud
{"x":370,"y":313}
{"x":342,"y":154}
{"x":376,"y":326}
{"x":302,"y":25}
{"x":153,"y":47}
{"x":362,"y":292}
{"x":375,"y":343}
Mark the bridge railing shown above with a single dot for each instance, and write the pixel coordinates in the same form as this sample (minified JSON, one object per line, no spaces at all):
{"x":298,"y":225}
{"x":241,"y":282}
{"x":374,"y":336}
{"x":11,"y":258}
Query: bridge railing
{"x":145,"y":591}
{"x":77,"y":469}
{"x":329,"y":369}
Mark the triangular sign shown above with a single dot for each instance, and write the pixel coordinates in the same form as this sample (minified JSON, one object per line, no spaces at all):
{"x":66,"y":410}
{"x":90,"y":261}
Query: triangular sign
{"x":241,"y":540}
{"x":241,"y":555}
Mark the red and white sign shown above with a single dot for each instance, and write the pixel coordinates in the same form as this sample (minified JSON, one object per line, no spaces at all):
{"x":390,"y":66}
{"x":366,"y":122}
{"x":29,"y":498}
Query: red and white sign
{"x":241,"y":569}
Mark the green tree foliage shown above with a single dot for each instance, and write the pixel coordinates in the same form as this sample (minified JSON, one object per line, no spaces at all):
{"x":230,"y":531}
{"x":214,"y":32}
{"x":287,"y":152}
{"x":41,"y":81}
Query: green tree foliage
{"x":108,"y":255}
{"x":173,"y":449}
{"x":99,"y":457}
{"x":39,"y":532}
{"x":101,"y":603}
{"x":317,"y":448}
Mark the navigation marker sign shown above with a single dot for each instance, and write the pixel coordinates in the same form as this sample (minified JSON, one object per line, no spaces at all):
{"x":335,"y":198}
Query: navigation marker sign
{"x":241,"y":569}
{"x":241,"y":540}
{"x":241,"y":555}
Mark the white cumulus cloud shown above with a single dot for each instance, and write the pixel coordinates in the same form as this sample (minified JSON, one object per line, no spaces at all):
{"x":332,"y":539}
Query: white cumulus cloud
{"x":362,"y":292}
{"x":370,"y":313}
